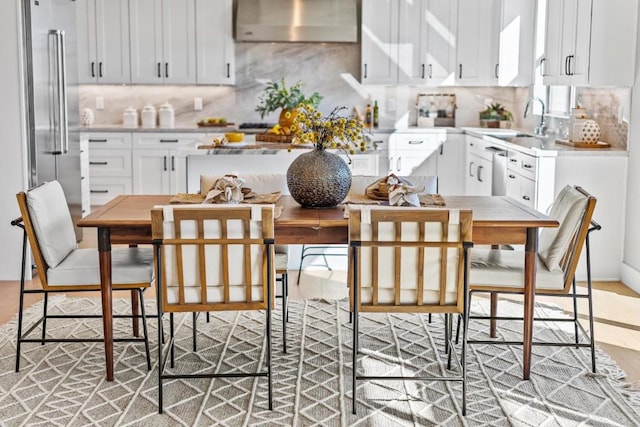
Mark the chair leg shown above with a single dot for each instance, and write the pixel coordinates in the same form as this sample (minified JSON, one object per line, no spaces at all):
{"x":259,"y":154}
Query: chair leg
{"x":354,"y":360}
{"x":590,"y":305}
{"x":268,"y":334}
{"x":285,"y":310}
{"x":494,"y":312}
{"x":575,"y":313}
{"x":44,"y":316}
{"x":160,"y":324}
{"x":144,"y":328}
{"x":20,"y":308}
{"x":208,"y":317}
{"x":194,"y":317}
{"x":446,"y":333}
{"x":463,"y":361}
{"x":171,"y":343}
{"x":135,"y":313}
{"x":300,"y":266}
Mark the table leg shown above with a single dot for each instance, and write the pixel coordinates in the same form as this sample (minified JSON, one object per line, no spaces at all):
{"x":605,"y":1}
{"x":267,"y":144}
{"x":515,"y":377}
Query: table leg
{"x":531,"y":251}
{"x":104,"y":249}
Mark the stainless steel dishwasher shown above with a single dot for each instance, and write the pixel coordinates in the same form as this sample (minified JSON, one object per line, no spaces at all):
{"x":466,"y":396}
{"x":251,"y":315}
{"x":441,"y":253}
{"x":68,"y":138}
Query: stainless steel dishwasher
{"x":499,"y":171}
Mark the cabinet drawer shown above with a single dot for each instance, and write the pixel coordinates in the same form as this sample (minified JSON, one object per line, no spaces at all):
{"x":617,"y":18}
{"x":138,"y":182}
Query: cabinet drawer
{"x":521,"y":189}
{"x":104,"y":189}
{"x":121,"y":140}
{"x":363,"y":164}
{"x":416,"y":142}
{"x":164,"y":140}
{"x":107,"y":162}
{"x":522,"y":163}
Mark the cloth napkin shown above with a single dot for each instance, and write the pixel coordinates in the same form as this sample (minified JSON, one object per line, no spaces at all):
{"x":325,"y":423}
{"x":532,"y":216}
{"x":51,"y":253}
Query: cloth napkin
{"x":227,"y":189}
{"x":400,"y":192}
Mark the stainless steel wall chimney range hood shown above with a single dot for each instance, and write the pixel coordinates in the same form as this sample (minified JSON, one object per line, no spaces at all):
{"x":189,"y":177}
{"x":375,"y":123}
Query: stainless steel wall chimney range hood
{"x":297,"y":21}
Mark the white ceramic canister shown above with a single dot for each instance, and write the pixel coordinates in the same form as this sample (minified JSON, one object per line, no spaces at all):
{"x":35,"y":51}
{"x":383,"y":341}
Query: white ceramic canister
{"x":130,"y":118}
{"x":166,"y":116}
{"x":148,"y":116}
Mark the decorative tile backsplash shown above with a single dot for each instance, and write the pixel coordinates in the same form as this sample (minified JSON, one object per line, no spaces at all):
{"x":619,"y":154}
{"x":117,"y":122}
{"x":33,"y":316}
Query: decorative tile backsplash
{"x":333,"y":70}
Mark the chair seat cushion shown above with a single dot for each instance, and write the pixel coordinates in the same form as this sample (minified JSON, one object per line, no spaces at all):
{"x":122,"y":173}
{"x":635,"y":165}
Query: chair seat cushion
{"x":214,"y":294}
{"x":505,"y":268}
{"x":82,"y":267}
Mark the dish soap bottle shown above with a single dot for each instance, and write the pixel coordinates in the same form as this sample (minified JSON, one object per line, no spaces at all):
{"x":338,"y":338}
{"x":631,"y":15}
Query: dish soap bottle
{"x":375,"y":114}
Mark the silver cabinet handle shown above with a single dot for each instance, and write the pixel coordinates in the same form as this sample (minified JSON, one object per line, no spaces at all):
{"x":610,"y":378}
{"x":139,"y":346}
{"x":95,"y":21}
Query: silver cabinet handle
{"x":365,"y":71}
{"x":398,"y":164}
{"x":460,"y":71}
{"x":228,"y":70}
{"x":471,"y":168}
{"x":526,"y":166}
{"x":430,"y":71}
{"x":59,"y":75}
{"x":543,"y":64}
{"x":512,"y":176}
{"x":415,"y":142}
{"x":422,"y":72}
{"x":159,"y":70}
{"x":166,"y":69}
{"x":526,"y":197}
{"x":480,"y":167}
{"x":93,"y":69}
{"x":99,"y":69}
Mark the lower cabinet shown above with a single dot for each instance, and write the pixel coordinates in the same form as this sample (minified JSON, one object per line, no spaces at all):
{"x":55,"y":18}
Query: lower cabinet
{"x":157,"y":168}
{"x":479,"y":167}
{"x":450,"y":164}
{"x":521,"y":188}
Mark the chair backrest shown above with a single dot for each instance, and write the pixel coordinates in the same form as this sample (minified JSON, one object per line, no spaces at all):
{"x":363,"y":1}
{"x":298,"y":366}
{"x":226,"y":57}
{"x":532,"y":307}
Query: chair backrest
{"x":48,"y":225}
{"x":409,"y":259}
{"x":360,"y":183}
{"x":259,"y":183}
{"x":214,"y":257}
{"x":560,"y":248}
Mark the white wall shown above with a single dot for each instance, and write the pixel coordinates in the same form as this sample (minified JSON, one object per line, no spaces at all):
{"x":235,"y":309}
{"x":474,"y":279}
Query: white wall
{"x":12,"y":171}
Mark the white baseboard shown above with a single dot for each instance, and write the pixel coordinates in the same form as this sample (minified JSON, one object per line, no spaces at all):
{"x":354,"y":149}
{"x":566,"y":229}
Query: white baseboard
{"x":630,"y":277}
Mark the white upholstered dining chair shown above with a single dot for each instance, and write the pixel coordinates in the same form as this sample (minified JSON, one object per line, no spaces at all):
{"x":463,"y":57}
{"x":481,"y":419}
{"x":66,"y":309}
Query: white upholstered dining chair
{"x":359,"y":184}
{"x":63,"y":267}
{"x":409,"y":260}
{"x":496,"y":271}
{"x":264,"y":184}
{"x":213,"y":258}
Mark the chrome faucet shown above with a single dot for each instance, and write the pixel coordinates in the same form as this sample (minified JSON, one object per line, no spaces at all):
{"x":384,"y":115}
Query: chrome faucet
{"x":542,"y":127}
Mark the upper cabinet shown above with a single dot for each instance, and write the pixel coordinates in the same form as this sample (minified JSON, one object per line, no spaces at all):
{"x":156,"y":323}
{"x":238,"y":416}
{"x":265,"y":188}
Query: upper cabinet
{"x":163,"y":48}
{"x":517,"y":38}
{"x":590,"y":42}
{"x":215,"y":53}
{"x":478,"y":42}
{"x":379,"y":59}
{"x":103,"y":41}
{"x":408,"y":42}
{"x":441,"y":18}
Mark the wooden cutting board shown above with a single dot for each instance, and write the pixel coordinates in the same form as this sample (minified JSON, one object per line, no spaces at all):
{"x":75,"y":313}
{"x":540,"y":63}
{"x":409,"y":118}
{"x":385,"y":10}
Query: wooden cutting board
{"x":599,"y":144}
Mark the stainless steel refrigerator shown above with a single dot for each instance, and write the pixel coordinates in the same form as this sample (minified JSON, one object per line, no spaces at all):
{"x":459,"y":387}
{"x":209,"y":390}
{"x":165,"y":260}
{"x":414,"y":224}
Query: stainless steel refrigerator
{"x":52,"y":91}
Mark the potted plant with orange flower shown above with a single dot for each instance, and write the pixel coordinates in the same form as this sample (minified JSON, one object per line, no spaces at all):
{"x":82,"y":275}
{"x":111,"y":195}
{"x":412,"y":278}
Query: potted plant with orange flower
{"x":278,"y":96}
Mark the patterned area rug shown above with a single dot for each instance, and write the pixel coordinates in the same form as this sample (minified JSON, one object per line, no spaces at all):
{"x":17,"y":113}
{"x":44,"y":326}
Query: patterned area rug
{"x":63,"y":384}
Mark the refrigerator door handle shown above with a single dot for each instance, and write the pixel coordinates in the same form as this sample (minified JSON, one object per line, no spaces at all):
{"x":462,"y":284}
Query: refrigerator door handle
{"x":61,"y":130}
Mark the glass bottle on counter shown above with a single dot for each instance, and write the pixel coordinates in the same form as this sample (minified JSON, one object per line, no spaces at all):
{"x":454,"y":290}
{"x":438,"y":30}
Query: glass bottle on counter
{"x":375,"y":114}
{"x":368,"y":119}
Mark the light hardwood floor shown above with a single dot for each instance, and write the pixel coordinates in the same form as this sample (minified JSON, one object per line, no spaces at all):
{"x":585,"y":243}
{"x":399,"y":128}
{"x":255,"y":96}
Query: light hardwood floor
{"x":617,"y":318}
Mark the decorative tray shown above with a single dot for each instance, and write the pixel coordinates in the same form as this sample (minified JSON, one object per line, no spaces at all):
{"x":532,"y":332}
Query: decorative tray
{"x":599,"y":144}
{"x":268,"y":137}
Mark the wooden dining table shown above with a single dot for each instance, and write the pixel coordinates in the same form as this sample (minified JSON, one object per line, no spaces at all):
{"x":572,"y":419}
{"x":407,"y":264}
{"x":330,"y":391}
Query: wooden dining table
{"x":496,"y":220}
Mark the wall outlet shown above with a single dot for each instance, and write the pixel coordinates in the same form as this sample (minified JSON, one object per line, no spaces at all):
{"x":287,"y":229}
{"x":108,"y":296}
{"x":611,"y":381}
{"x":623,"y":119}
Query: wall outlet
{"x":197,"y":104}
{"x":99,"y":103}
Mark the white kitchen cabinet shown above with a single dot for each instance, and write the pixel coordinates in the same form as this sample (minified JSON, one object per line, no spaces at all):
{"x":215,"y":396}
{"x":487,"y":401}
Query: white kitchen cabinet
{"x":450,"y":164}
{"x":379,"y":42}
{"x":163,"y":46}
{"x":109,"y":165}
{"x":479,"y":167}
{"x":415,"y":153}
{"x":103,"y":41}
{"x":362,"y":164}
{"x":156,"y":166}
{"x":215,"y":51}
{"x":412,"y":42}
{"x":516,"y":51}
{"x":520,"y":187}
{"x":478,"y":42}
{"x":441,"y":29}
{"x":590,"y":42}
{"x":85,"y":178}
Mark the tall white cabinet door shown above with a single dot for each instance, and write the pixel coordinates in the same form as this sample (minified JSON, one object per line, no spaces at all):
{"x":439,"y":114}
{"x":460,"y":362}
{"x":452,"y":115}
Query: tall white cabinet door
{"x":379,"y":56}
{"x":477,"y":50}
{"x":576,"y":38}
{"x":412,"y":42}
{"x":152,"y":171}
{"x":179,"y":41}
{"x":441,"y":28}
{"x":112,"y":41}
{"x":86,"y":24}
{"x":214,"y":38}
{"x":553,"y":43}
{"x":517,"y":32}
{"x":450,"y":165}
{"x":147,"y":64}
